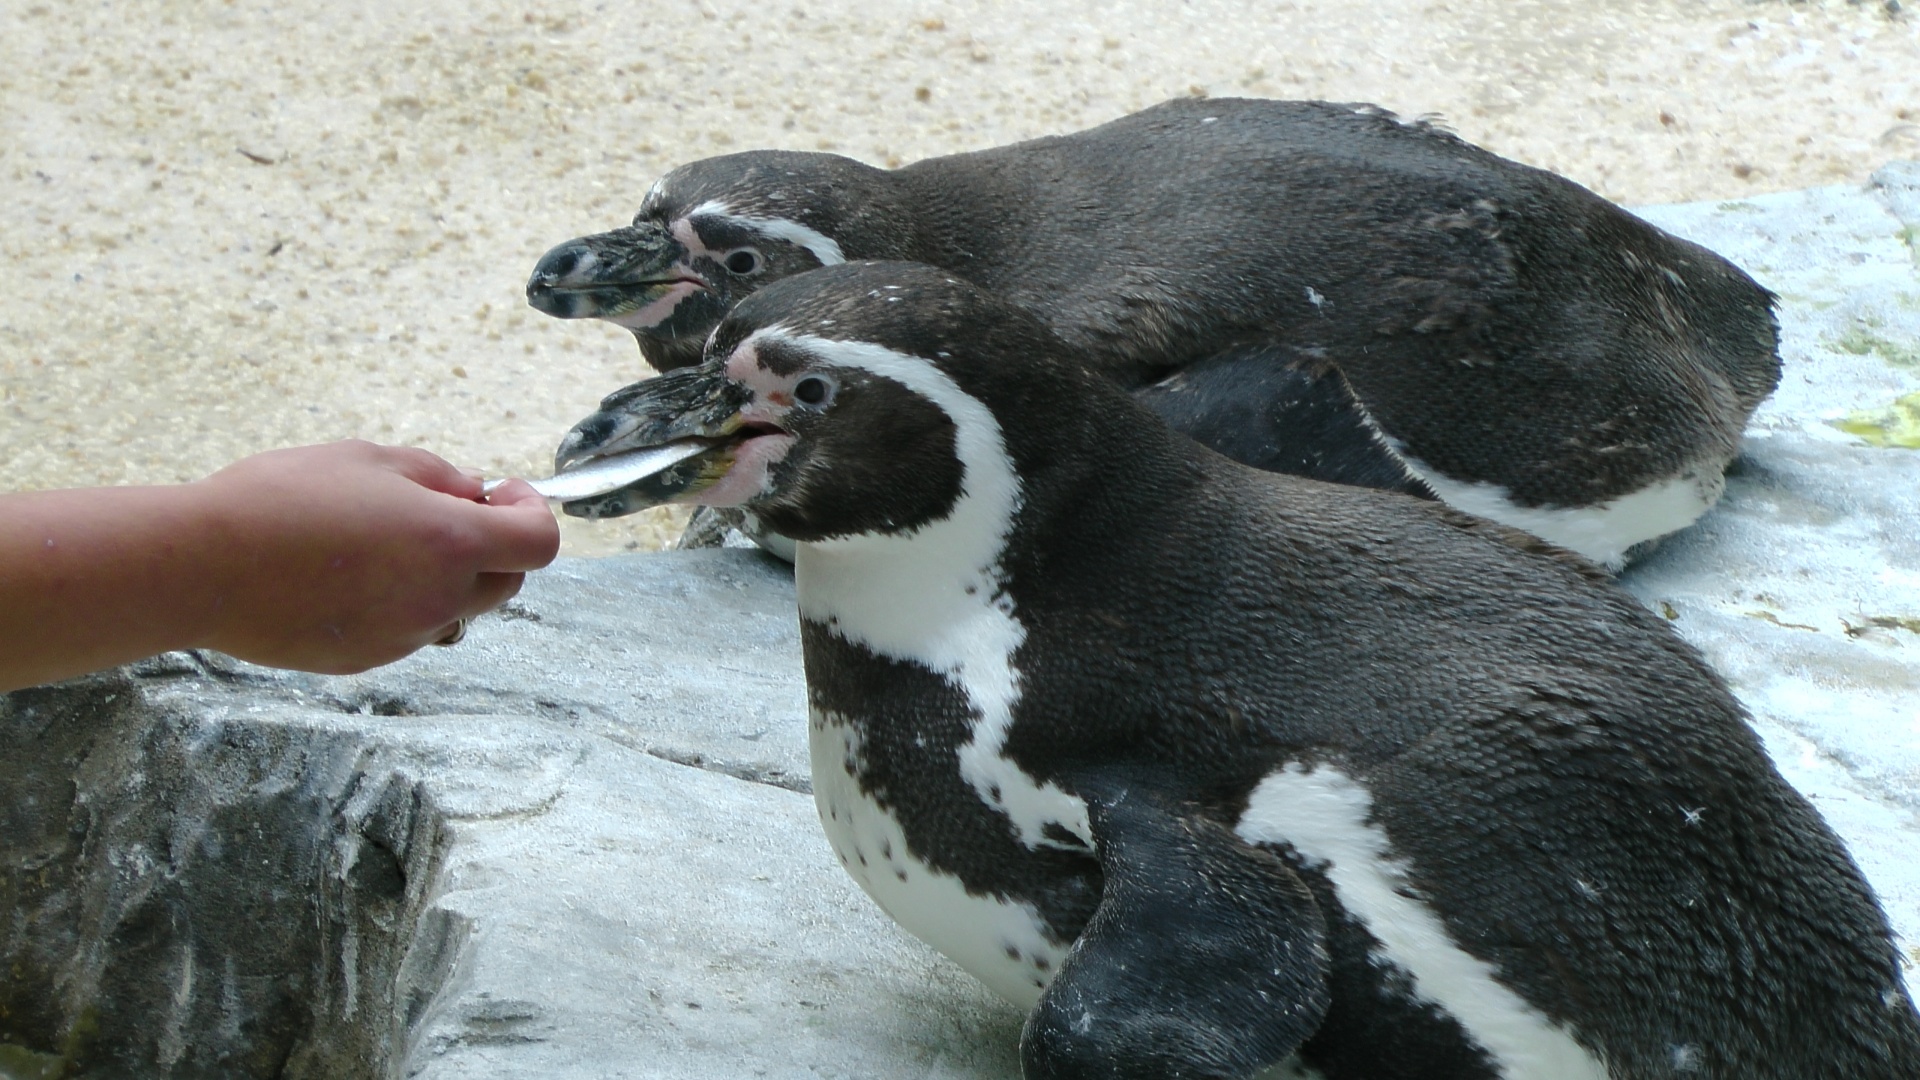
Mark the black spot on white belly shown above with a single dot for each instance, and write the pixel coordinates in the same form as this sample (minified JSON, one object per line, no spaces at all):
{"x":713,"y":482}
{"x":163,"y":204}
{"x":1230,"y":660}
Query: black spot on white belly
{"x":885,"y":743}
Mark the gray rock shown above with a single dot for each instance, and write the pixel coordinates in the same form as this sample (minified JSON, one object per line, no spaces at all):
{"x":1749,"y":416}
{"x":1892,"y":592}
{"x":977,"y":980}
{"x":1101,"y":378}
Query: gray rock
{"x":195,"y":892}
{"x":579,"y":844}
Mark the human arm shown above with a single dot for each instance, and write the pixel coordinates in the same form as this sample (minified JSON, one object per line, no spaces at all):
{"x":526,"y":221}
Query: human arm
{"x":331,"y":558}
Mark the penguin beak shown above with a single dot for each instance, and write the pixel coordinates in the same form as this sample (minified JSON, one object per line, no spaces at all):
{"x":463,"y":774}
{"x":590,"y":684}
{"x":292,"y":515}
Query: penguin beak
{"x":697,"y":403}
{"x":616,"y":275}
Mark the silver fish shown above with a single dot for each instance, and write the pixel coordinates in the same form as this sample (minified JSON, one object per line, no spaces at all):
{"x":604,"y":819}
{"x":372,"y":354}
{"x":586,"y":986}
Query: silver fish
{"x":598,"y":476}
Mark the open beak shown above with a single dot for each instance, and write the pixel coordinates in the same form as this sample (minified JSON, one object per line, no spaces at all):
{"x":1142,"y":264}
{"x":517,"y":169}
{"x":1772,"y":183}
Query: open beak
{"x":611,"y":274}
{"x":696,"y":404}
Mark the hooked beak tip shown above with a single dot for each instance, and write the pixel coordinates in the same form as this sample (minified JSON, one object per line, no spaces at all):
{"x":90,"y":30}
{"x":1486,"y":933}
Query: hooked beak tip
{"x":571,"y":260}
{"x":588,"y":439}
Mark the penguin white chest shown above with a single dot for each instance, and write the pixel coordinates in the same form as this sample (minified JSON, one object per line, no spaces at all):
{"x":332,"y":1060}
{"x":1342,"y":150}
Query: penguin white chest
{"x":1000,"y":941}
{"x":932,"y":598}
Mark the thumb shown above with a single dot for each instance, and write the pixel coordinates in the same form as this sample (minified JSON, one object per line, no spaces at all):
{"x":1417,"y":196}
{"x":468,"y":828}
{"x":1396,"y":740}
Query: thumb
{"x":515,"y":492}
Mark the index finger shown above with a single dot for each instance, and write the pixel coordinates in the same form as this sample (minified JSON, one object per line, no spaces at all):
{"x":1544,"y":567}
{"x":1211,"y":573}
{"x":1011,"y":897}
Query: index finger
{"x":431,"y":471}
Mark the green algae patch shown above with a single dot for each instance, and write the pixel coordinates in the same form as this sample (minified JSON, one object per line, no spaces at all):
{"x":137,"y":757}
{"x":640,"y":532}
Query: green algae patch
{"x":1898,"y":425}
{"x":1770,"y":617}
{"x":1883,"y":622}
{"x":19,"y":1063}
{"x":1863,"y":341}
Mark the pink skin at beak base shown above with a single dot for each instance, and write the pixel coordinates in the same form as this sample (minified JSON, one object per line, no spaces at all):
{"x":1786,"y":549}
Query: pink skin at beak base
{"x":748,"y":478}
{"x":772,"y":398}
{"x":657,"y":312}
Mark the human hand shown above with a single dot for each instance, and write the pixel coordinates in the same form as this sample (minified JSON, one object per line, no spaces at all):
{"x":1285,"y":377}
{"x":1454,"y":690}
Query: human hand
{"x":350,"y":555}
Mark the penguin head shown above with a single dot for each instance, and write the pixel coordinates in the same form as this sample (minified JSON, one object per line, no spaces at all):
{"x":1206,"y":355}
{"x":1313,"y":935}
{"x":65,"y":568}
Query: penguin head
{"x":708,"y":234}
{"x":863,"y":399}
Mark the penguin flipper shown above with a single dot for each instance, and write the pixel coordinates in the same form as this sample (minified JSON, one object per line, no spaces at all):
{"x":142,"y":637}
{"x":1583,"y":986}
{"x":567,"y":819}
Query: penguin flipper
{"x":1251,"y":404}
{"x":1206,"y":958}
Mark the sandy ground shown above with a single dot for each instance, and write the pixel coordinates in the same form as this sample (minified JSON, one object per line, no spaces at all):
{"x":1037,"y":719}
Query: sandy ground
{"x":229,"y":226}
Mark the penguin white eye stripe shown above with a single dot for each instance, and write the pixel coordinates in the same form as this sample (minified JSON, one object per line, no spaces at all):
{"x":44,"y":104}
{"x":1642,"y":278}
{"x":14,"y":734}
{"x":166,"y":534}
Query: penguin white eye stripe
{"x":915,"y":373}
{"x":976,"y":430}
{"x":823,"y":247}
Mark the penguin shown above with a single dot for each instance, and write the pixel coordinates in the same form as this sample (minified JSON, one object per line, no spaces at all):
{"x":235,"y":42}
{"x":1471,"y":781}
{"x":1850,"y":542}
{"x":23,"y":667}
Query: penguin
{"x":1315,"y":288}
{"x":1212,"y":768}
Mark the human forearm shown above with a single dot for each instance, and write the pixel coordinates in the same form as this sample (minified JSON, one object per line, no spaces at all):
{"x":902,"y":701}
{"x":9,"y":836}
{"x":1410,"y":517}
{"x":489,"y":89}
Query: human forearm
{"x":328,"y":558}
{"x":94,"y":578}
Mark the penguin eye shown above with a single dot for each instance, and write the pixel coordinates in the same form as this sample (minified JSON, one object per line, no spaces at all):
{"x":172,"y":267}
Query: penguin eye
{"x":814,"y":391}
{"x":743,"y":261}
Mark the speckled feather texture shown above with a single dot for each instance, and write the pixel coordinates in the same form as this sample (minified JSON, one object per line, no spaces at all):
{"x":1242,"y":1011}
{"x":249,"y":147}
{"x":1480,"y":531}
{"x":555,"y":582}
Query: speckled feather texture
{"x":1473,"y":328}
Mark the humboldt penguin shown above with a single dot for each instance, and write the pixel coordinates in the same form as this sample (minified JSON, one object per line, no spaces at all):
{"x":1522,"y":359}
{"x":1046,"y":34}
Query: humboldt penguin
{"x":1308,"y":287}
{"x":1209,"y":766}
